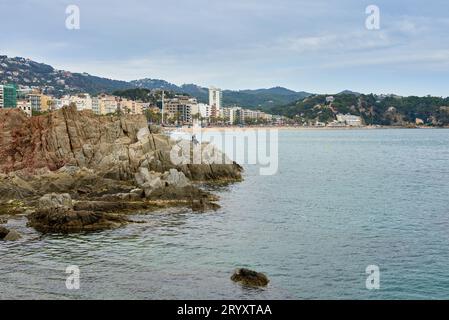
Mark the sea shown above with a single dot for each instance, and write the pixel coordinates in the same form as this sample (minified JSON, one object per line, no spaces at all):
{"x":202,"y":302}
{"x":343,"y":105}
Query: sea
{"x":341,"y":204}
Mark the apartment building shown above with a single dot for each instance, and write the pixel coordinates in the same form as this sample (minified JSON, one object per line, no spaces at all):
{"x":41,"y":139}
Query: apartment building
{"x":350,"y":120}
{"x":179,"y":108}
{"x":108,"y":104}
{"x":96,"y":105}
{"x":130,"y":106}
{"x":82,"y":101}
{"x":202,"y":109}
{"x":25,"y":106}
{"x":231,"y":115}
{"x":39,"y":102}
{"x":8,"y":96}
{"x":215,"y":101}
{"x":35,"y":101}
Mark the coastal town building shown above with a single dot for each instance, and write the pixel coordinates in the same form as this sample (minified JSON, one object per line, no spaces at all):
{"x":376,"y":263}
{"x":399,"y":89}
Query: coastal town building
{"x":61,"y":102}
{"x":202,"y":110}
{"x":237,"y":115}
{"x":35,"y":101}
{"x":101,"y":105}
{"x":150,"y":107}
{"x":82,"y":101}
{"x":108,"y":104}
{"x":96,"y":105}
{"x":253,"y":115}
{"x":231,"y":115}
{"x":278,"y":120}
{"x":350,"y":120}
{"x":39,"y":102}
{"x":335,"y":124}
{"x":130,"y":106}
{"x":23,"y":92}
{"x":179,"y":109}
{"x":8,"y":96}
{"x":46,"y":102}
{"x":215,"y":101}
{"x":25,"y":106}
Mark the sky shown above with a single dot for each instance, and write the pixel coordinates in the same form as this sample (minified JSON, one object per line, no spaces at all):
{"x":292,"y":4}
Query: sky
{"x":320,"y":46}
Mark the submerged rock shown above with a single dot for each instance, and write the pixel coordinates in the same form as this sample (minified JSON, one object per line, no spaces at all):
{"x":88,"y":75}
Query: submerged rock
{"x":12,"y":236}
{"x":3,"y":232}
{"x":203,"y":204}
{"x":250,"y":278}
{"x":62,"y":220}
{"x":9,"y":235}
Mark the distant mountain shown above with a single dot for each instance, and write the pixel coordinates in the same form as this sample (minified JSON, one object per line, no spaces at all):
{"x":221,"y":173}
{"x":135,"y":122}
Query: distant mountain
{"x":154,"y":84}
{"x":263,"y":98}
{"x":259,"y":98}
{"x":26,"y":72}
{"x":34,"y":74}
{"x":201,"y":93}
{"x":350,"y":92}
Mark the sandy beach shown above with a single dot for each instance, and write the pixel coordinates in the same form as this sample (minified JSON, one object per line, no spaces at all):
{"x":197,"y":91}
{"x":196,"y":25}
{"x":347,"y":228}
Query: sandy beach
{"x":290,"y":128}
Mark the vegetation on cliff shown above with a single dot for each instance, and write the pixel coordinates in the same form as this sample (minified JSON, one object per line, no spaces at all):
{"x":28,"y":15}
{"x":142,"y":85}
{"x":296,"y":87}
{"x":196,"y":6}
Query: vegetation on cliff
{"x":374,"y":109}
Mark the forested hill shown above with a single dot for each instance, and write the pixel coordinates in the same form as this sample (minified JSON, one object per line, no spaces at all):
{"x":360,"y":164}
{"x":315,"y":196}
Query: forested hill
{"x":27,"y":72}
{"x":257,"y":98}
{"x":23,"y":71}
{"x":374,"y":109}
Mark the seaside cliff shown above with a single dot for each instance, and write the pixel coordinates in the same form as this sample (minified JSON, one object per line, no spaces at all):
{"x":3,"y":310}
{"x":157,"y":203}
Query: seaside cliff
{"x":72,"y":171}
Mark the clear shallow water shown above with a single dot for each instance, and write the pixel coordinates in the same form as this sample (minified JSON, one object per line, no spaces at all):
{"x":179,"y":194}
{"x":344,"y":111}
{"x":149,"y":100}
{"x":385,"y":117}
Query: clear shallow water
{"x":342,"y":200}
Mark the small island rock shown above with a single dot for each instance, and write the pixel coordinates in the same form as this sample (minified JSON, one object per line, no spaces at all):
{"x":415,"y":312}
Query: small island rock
{"x":250,"y":278}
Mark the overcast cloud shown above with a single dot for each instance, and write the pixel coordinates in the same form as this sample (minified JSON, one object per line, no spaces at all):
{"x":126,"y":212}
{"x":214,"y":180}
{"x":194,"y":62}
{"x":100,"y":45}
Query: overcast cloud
{"x":317,"y":46}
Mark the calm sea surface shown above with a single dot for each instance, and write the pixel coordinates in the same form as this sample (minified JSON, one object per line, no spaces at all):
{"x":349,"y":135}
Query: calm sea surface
{"x":341,"y":200}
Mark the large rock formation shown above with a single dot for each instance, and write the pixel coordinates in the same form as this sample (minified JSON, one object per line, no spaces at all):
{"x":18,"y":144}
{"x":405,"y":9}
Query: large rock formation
{"x":107,"y":164}
{"x":114,"y":147}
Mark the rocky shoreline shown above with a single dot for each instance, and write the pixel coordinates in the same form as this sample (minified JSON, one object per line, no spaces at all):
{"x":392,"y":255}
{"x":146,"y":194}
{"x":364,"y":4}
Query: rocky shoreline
{"x":71,"y":171}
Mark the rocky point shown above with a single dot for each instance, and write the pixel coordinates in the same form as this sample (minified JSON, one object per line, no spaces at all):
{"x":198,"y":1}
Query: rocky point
{"x":71,"y":171}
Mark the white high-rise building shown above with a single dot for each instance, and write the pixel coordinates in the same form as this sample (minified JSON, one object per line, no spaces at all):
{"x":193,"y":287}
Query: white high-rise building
{"x":215,"y":101}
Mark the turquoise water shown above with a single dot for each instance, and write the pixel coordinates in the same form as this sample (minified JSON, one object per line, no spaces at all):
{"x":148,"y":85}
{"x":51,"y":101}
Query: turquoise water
{"x":341,"y":200}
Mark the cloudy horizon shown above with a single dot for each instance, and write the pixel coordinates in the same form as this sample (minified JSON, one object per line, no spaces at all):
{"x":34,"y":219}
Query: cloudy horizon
{"x":319,"y":46}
